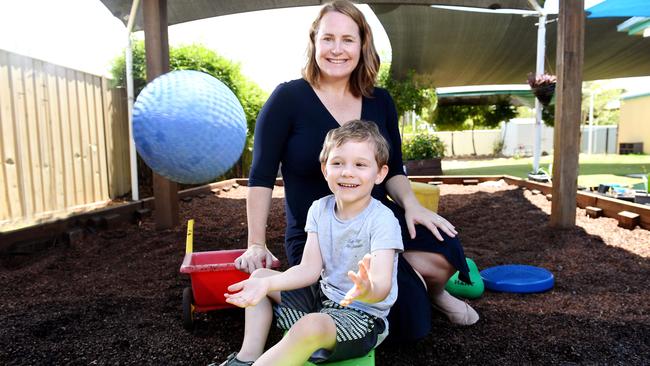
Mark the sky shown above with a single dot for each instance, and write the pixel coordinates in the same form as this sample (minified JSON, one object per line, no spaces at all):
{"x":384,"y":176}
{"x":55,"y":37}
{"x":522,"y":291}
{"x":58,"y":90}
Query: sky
{"x":82,"y":34}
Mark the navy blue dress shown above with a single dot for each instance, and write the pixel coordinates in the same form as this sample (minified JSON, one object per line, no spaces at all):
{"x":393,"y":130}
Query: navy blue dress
{"x":289,"y":134}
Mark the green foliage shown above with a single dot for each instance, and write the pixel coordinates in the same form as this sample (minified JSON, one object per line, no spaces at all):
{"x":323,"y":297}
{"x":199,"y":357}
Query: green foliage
{"x":460,"y":117}
{"x":548,"y":115}
{"x":423,"y":146}
{"x":408,"y":94}
{"x":450,"y":117}
{"x":493,"y":115}
{"x":118,"y":69}
{"x":200,"y":58}
{"x":602,"y":96}
{"x":497,"y":147}
{"x":602,"y":114}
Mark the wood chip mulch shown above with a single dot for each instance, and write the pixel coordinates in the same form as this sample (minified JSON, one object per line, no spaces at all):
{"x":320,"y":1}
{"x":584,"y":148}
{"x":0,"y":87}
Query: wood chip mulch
{"x":115,"y":298}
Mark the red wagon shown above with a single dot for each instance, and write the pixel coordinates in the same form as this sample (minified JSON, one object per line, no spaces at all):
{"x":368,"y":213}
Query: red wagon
{"x":210,"y":273}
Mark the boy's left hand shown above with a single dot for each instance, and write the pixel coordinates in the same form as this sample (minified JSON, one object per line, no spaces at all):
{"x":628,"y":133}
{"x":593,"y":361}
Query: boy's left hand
{"x":362,"y":282}
{"x":247,"y":292}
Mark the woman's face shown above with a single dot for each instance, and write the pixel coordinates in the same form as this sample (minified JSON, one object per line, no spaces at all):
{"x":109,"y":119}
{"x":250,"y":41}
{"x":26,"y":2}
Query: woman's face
{"x":338,"y":46}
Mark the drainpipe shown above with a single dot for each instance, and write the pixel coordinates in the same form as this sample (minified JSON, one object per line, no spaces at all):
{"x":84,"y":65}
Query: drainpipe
{"x":135,"y":195}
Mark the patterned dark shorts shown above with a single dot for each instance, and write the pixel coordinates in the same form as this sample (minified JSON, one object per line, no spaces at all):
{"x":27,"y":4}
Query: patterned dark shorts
{"x":356,"y":331}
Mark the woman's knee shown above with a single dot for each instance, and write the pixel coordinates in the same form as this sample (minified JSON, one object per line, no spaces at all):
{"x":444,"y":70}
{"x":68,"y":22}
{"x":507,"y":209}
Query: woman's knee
{"x":431,"y":266}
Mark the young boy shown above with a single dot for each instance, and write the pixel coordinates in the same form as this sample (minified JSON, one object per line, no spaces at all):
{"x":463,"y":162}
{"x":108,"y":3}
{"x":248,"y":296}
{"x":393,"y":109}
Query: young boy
{"x":345,"y":315}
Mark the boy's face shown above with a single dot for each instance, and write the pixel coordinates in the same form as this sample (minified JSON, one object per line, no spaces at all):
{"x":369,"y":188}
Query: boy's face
{"x":351,"y":171}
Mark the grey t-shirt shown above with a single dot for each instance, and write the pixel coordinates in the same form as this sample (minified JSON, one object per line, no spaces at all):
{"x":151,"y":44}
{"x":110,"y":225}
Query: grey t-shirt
{"x":343,"y":243}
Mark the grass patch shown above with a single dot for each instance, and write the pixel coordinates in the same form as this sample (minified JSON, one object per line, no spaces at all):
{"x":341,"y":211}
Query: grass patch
{"x":610,"y":168}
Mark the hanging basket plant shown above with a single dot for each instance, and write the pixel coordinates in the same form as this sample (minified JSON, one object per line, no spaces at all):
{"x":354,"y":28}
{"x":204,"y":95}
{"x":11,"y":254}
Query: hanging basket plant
{"x":543,"y":87}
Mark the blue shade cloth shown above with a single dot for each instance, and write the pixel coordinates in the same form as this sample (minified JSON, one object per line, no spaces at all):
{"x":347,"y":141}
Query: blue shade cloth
{"x":620,"y":8}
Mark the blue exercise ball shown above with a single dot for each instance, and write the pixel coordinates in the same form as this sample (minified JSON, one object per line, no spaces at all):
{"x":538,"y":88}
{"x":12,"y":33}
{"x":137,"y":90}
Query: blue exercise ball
{"x":188,"y":126}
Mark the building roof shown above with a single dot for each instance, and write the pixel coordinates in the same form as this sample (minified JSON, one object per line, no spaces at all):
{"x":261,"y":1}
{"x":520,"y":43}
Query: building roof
{"x":637,"y":94}
{"x":516,"y":94}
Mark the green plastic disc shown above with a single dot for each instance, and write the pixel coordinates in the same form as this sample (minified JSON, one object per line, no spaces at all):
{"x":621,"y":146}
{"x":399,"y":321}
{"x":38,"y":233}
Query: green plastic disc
{"x":459,"y":288}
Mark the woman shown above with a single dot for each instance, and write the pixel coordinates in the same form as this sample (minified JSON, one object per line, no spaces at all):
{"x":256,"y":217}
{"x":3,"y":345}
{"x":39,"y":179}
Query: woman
{"x":338,"y":86}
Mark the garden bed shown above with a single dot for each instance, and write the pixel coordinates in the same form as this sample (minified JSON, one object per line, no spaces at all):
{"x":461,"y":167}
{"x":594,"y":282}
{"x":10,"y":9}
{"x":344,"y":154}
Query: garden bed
{"x":115,"y":296}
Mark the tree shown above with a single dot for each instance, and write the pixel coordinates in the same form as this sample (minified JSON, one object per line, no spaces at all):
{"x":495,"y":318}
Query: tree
{"x":198,"y":57}
{"x":460,"y":117}
{"x":602,"y":97}
{"x":449,"y":118}
{"x":408,"y":94}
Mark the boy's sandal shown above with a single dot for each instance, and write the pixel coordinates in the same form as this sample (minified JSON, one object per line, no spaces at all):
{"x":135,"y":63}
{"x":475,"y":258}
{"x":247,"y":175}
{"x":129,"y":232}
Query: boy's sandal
{"x":232,"y":361}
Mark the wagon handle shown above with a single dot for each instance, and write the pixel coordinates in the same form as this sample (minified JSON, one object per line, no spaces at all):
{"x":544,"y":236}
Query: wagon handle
{"x":190,"y":234}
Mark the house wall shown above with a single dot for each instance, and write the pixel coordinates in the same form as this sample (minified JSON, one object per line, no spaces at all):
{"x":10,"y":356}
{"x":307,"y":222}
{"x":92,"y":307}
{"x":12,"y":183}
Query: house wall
{"x":634,"y":125}
{"x":519,"y":139}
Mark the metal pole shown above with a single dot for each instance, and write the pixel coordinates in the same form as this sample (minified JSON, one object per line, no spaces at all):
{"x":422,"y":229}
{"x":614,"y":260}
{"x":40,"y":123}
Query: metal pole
{"x":590,"y":137}
{"x":128,"y":56}
{"x":541,"y":50}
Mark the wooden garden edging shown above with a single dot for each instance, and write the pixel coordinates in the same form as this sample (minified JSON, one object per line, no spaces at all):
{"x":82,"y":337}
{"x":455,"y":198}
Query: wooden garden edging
{"x":73,"y":228}
{"x":610,"y":207}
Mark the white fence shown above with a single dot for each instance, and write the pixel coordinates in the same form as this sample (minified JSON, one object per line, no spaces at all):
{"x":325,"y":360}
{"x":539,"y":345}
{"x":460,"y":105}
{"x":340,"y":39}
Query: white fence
{"x":518,"y":138}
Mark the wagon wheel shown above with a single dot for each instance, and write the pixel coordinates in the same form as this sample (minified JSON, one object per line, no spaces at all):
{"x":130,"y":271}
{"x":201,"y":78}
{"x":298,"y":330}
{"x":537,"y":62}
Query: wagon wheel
{"x":188,"y":309}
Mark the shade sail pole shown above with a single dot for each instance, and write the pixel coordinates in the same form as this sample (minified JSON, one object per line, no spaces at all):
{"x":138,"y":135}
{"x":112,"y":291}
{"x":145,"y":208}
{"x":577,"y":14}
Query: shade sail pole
{"x":566,"y":134}
{"x":156,"y":44}
{"x":539,"y":69}
{"x":591,"y":124}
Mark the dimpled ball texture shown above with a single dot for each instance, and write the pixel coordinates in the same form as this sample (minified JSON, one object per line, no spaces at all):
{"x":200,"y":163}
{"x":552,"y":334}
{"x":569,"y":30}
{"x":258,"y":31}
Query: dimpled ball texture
{"x":188,"y":127}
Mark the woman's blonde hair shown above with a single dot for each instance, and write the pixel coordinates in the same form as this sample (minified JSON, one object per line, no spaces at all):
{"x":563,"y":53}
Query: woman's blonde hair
{"x":358,"y":131}
{"x":363,"y":77}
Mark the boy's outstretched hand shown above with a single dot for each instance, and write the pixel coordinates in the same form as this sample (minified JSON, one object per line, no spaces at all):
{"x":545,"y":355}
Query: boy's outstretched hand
{"x":251,"y":292}
{"x":362,"y":282}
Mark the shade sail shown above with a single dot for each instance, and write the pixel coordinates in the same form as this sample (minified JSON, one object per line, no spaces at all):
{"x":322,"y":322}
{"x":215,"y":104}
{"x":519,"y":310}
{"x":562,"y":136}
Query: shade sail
{"x":455,"y":48}
{"x":180,"y":11}
{"x":620,"y":8}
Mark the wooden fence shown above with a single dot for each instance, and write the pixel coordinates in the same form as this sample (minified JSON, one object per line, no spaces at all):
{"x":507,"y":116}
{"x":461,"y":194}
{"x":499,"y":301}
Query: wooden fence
{"x":63,"y":143}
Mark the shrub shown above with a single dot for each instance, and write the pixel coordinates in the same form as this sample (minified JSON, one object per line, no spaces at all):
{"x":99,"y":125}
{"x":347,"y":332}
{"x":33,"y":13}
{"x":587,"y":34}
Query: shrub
{"x":200,"y":58}
{"x":423,"y":146}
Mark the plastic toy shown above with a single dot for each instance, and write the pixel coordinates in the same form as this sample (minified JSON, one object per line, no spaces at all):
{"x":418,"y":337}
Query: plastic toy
{"x":459,"y":288}
{"x":210,"y":273}
{"x":367,"y":360}
{"x":517,"y":278}
{"x":188,"y":126}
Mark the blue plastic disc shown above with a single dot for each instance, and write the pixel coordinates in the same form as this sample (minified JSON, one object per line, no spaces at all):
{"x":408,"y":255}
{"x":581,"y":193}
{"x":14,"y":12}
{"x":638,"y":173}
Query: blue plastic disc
{"x":518,"y":278}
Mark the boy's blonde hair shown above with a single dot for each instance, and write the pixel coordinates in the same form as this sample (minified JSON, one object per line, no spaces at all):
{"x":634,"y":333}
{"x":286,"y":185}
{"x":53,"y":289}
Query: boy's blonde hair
{"x":358,"y":131}
{"x":362,"y":80}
